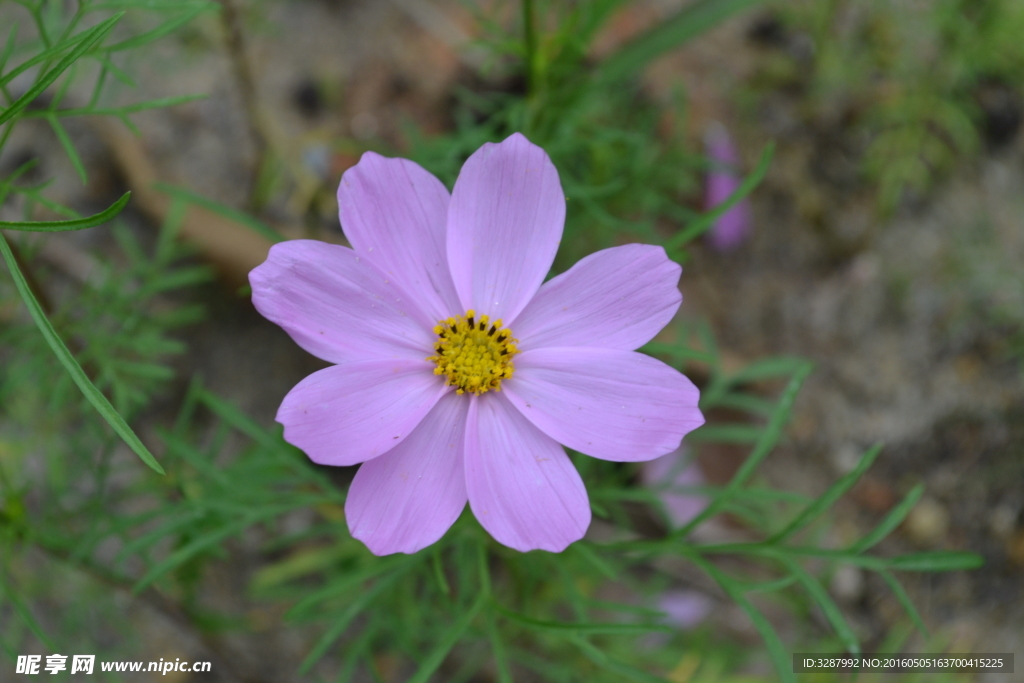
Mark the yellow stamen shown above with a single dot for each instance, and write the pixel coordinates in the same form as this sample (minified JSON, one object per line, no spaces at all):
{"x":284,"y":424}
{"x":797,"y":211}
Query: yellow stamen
{"x":475,"y":354}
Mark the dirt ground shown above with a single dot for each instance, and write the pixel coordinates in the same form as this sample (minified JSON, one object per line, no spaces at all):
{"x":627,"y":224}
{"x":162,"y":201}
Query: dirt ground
{"x":895,"y":312}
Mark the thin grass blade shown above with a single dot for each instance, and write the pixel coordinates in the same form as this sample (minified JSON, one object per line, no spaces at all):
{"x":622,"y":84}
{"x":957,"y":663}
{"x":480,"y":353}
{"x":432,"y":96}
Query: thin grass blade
{"x":689,"y":23}
{"x":92,"y":394}
{"x":897,"y":589}
{"x":447,"y":642}
{"x":828,"y":499}
{"x":92,"y":37}
{"x":828,"y":606}
{"x":704,"y":223}
{"x":891,"y":521}
{"x":776,"y":650}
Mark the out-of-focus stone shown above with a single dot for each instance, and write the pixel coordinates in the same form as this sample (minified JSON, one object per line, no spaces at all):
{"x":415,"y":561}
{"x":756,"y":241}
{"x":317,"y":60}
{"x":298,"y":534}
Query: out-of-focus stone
{"x":847,"y":583}
{"x":928,"y":522}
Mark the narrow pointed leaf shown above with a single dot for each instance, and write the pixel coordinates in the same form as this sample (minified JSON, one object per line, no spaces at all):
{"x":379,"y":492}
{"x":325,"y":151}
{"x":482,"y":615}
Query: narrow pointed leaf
{"x":897,"y":589}
{"x":769,"y":436}
{"x":227,"y":212}
{"x":347,"y":616}
{"x":75,"y":224}
{"x":447,"y":642}
{"x":891,"y":521}
{"x":621,"y":669}
{"x":704,"y":223}
{"x":778,"y":653}
{"x":692,"y":21}
{"x":91,"y":37}
{"x":581,"y":627}
{"x":92,"y":394}
{"x":942,"y":561}
{"x":828,"y":499}
{"x":828,"y":606}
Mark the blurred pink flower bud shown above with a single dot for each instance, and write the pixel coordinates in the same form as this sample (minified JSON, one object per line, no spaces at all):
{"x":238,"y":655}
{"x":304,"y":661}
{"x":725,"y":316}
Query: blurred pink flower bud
{"x":732,"y":228}
{"x":685,"y":609}
{"x":668,"y":472}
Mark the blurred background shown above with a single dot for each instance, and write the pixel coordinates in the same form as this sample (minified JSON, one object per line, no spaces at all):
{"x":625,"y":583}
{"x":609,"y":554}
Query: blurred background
{"x":880,"y":237}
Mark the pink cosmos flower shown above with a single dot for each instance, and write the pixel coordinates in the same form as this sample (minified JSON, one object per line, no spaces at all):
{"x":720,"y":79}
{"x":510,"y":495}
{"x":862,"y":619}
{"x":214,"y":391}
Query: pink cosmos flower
{"x":733,"y":227}
{"x":457,"y":373}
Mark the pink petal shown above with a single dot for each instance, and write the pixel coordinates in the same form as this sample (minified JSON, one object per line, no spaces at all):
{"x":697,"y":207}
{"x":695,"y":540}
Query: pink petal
{"x":337,"y":306}
{"x":408,"y":498}
{"x":394,"y":213}
{"x":618,"y":298}
{"x":347,"y":414}
{"x":522,"y":486}
{"x":504,"y":224}
{"x":607,"y":403}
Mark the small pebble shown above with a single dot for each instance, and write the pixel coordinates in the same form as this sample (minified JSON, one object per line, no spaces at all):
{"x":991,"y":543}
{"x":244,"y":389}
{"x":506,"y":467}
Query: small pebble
{"x":928,"y":522}
{"x":847,"y":583}
{"x":1002,"y":521}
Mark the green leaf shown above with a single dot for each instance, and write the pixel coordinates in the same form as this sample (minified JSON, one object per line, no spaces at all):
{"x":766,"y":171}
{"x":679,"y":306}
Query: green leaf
{"x":727,"y":433}
{"x":159,"y":32}
{"x":192,"y":455}
{"x":582,"y":628}
{"x":832,"y":612}
{"x":828,"y":499}
{"x":691,"y":22}
{"x":602,"y":660}
{"x":190,"y":549}
{"x":224,"y":211}
{"x":891,"y":521}
{"x":5,"y":54}
{"x":89,"y":39}
{"x":346,"y":617}
{"x":940,"y":561}
{"x":897,"y":588}
{"x":591,"y":557}
{"x":186,"y":518}
{"x":768,"y":368}
{"x":347,"y":582}
{"x":776,"y":650}
{"x":745,"y":402}
{"x":30,"y":621}
{"x":121,"y":111}
{"x":94,"y":396}
{"x":770,"y":435}
{"x":708,"y":219}
{"x":447,"y":642}
{"x":239,"y":420}
{"x":69,"y":147}
{"x":40,"y":57}
{"x":498,"y":648}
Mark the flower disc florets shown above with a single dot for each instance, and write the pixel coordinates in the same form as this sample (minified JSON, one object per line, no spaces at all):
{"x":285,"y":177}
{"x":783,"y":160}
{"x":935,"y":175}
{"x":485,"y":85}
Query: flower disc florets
{"x":474,"y":354}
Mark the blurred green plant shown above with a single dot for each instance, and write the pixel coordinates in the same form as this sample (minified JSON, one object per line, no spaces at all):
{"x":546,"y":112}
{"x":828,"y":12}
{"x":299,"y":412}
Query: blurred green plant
{"x":57,"y":54}
{"x":621,"y":155}
{"x":924,"y":84}
{"x":466,"y":604}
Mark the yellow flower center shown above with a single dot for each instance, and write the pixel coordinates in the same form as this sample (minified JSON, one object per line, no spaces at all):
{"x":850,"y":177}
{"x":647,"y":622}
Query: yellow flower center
{"x":474,"y":354}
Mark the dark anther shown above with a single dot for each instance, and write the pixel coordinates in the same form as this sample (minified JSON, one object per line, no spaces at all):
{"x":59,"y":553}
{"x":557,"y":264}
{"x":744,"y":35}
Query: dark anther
{"x":471,"y":323}
{"x":483,"y":326}
{"x":492,"y":331}
{"x":504,"y":352}
{"x":501,"y":338}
